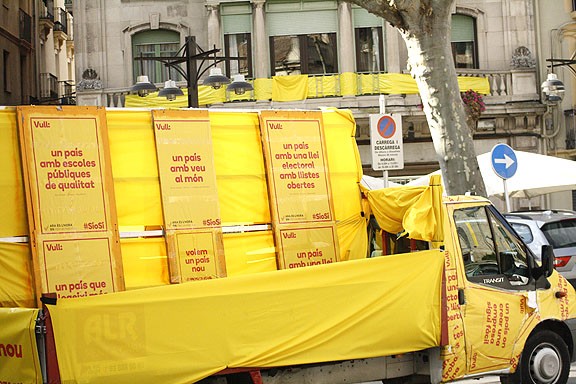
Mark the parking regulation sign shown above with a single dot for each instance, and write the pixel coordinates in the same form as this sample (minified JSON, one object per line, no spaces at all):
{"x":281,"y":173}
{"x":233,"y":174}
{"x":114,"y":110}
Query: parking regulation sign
{"x":386,"y":142}
{"x":504,"y":161}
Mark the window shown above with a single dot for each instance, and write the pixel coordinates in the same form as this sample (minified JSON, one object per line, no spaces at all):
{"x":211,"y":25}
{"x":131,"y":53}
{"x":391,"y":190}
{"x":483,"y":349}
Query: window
{"x":464,"y":41}
{"x":524,"y":232}
{"x":304,"y":54}
{"x":157,"y":43}
{"x":369,"y":49}
{"x":369,"y":41}
{"x":5,"y":70}
{"x":238,"y":45}
{"x":237,"y":29}
{"x":492,"y":254}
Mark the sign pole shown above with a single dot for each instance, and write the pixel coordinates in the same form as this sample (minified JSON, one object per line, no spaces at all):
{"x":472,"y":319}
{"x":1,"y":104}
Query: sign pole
{"x":382,"y":104}
{"x":506,"y":194}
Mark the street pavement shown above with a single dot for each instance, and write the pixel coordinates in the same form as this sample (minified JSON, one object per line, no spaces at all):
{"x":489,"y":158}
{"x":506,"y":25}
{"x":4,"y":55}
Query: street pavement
{"x":495,"y":380}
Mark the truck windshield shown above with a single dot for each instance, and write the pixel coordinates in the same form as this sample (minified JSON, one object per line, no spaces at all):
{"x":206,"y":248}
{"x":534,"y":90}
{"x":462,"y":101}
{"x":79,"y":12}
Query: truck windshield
{"x":489,"y":248}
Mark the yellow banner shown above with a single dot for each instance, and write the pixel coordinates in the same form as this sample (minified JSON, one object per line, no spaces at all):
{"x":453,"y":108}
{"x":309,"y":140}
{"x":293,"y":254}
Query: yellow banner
{"x":199,"y":254}
{"x":186,"y":168}
{"x":189,"y":194}
{"x":305,"y":246}
{"x":19,"y":362}
{"x":70,"y":196}
{"x":295,"y":154}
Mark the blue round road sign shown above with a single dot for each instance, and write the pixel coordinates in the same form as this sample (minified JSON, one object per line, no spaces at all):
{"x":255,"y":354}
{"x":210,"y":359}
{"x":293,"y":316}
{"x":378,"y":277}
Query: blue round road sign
{"x":504,"y":161}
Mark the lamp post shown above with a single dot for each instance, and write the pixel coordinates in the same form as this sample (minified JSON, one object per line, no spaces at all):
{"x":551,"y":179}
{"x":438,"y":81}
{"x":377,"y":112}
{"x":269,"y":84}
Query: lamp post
{"x":189,"y":54}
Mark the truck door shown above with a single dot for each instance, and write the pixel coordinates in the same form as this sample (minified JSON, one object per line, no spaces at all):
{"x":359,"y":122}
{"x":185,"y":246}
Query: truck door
{"x":494,"y":296}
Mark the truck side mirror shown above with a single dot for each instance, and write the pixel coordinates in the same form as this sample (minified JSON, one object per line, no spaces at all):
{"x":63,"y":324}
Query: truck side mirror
{"x":547,"y":260}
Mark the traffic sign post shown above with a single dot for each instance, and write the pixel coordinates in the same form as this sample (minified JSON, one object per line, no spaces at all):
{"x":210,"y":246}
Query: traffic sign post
{"x":505,"y":165}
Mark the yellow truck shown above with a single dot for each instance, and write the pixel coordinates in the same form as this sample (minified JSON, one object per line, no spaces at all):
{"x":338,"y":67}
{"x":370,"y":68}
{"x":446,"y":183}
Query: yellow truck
{"x":399,"y":284}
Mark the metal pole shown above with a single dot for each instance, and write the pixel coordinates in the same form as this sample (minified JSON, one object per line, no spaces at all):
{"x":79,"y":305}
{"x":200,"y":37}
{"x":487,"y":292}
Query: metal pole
{"x":506,"y":194}
{"x":382,"y":104}
{"x":191,"y":72}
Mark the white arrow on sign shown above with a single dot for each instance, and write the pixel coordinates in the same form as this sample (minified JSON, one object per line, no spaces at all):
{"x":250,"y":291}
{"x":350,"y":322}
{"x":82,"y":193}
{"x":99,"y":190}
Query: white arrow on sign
{"x":506,"y":160}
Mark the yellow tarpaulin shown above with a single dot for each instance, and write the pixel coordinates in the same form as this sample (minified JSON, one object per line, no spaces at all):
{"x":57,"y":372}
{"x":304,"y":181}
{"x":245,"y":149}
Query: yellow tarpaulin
{"x":290,"y":88}
{"x":412,"y":210}
{"x":182,"y":333}
{"x":19,"y":361}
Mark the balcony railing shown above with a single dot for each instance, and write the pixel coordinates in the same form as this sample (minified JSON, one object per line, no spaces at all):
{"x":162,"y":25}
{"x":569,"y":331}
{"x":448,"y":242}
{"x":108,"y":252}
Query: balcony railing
{"x":47,"y":11}
{"x":25,"y":26}
{"x":504,"y":86}
{"x":67,"y":92}
{"x":61,"y":23}
{"x":48,"y":86}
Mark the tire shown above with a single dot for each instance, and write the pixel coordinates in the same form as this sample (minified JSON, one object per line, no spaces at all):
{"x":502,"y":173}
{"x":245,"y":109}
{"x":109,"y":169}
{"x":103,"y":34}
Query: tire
{"x":545,"y":360}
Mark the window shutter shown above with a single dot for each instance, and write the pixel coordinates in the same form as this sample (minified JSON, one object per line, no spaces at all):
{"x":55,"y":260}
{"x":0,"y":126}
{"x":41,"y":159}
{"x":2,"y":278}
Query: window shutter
{"x":363,"y":18}
{"x":298,"y":23}
{"x":462,"y":28}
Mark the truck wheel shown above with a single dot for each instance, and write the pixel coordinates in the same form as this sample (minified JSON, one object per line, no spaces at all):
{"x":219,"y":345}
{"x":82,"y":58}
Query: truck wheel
{"x":545,"y":360}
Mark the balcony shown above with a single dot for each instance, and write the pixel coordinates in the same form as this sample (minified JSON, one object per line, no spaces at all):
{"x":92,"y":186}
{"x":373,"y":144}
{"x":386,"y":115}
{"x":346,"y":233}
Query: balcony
{"x":45,"y":18}
{"x":61,"y":28}
{"x":67,"y":92}
{"x":25,"y":27}
{"x":48,"y":88}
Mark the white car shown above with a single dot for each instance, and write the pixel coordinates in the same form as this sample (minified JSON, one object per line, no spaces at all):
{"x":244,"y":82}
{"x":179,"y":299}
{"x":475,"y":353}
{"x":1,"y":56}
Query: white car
{"x":554,"y":227}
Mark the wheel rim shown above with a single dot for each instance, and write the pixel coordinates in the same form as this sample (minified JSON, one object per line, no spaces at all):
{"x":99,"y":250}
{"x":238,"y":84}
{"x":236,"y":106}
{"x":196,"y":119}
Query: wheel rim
{"x":545,"y":364}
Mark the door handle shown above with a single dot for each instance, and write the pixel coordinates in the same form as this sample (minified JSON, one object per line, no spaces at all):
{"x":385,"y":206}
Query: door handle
{"x":461,"y":297}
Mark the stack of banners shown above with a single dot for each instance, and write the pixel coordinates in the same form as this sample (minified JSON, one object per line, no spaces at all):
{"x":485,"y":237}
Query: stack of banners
{"x":299,"y":186}
{"x":189,"y":195}
{"x":70,"y":200}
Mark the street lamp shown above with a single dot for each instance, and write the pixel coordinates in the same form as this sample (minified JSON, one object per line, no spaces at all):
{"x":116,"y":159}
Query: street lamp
{"x":190,"y":53}
{"x":553,"y":89}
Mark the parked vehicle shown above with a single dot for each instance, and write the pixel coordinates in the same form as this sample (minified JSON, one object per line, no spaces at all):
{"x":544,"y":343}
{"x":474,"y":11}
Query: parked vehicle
{"x":447,"y":290}
{"x":553,"y":227}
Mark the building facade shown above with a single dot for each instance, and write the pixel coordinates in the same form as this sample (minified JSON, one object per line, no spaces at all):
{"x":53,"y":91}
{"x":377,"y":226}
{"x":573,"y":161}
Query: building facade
{"x":346,"y":56}
{"x":37,"y":48}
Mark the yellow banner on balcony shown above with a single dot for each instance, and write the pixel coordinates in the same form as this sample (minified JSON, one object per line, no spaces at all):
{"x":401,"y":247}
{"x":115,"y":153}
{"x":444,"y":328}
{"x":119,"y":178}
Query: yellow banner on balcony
{"x":289,"y":88}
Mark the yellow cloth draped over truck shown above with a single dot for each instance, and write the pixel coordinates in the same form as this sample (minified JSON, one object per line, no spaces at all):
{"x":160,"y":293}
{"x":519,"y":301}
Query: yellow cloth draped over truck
{"x":183,"y":333}
{"x":415,"y":211}
{"x":18,"y":351}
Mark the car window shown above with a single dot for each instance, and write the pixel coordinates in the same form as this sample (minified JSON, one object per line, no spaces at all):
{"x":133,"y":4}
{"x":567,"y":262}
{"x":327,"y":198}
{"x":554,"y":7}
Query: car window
{"x":561,"y":234}
{"x":491,"y":253}
{"x":524,"y":232}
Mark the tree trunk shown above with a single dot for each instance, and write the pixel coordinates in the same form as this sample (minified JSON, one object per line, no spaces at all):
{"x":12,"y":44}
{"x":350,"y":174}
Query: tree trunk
{"x":425,"y":27}
{"x":430,"y":63}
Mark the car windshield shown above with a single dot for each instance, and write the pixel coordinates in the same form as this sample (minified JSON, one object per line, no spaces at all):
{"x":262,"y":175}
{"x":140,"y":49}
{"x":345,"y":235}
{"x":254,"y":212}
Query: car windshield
{"x":561,"y":234}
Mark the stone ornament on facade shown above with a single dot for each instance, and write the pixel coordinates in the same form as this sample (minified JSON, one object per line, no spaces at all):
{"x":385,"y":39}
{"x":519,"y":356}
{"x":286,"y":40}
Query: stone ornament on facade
{"x":89,"y":80}
{"x":522,"y":58}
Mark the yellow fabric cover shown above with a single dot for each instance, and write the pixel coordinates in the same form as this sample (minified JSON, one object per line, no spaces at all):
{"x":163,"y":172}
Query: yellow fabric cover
{"x":289,"y":88}
{"x":348,"y":85}
{"x":18,"y":351}
{"x":322,"y":86}
{"x":293,"y":88}
{"x":479,"y":84}
{"x":182,"y":333}
{"x":13,"y":218}
{"x":263,"y":89}
{"x":409,"y":210}
{"x":16,"y":286}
